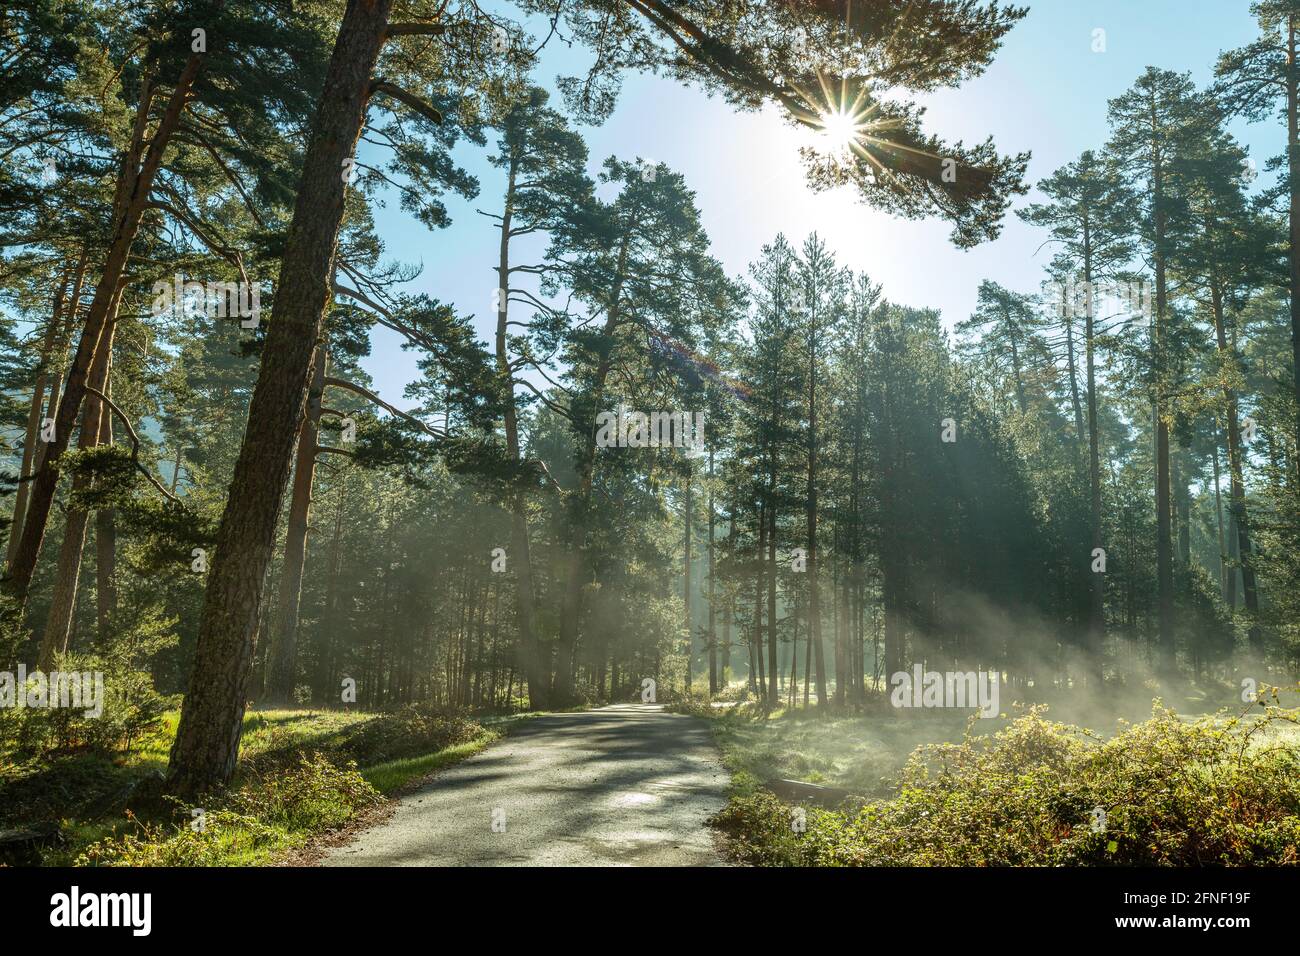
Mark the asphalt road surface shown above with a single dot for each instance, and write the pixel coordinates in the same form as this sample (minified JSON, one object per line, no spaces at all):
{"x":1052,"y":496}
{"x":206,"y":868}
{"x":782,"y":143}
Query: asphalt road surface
{"x":627,"y":785}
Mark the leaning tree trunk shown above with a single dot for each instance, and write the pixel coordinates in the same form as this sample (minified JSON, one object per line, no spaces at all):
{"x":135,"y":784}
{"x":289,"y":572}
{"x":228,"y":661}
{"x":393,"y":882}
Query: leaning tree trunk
{"x":282,"y":670}
{"x":106,"y":534}
{"x":63,"y":601}
{"x":207,"y":738}
{"x":33,"y":430}
{"x":130,"y":202}
{"x":105,"y":545}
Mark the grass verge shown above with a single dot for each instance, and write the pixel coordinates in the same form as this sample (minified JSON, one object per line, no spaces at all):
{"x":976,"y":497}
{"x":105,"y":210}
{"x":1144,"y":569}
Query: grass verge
{"x":302,"y":774}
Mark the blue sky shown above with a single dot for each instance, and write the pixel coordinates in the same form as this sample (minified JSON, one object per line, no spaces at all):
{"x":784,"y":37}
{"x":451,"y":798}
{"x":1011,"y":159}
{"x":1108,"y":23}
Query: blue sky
{"x":1045,"y":93}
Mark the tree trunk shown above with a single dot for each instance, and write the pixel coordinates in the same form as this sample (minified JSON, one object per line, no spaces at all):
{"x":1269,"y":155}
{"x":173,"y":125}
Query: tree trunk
{"x":1097,"y":583}
{"x":730,"y":612}
{"x":1218,"y":513}
{"x":773,"y":672}
{"x":328,"y":682}
{"x":686,"y":585}
{"x":1237,"y":492}
{"x":1293,"y":174}
{"x":105,"y":537}
{"x":571,"y":607}
{"x":63,"y":600}
{"x":712,"y":632}
{"x":1073,"y":369}
{"x":1164,"y":541}
{"x":282,"y":667}
{"x":32,"y":433}
{"x":793,"y":689}
{"x":760,"y":558}
{"x":130,"y":202}
{"x":207,"y":738}
{"x":814,"y":596}
{"x":529,"y":654}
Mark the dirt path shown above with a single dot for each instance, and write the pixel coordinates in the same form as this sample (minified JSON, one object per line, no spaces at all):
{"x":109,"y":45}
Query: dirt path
{"x":627,"y":785}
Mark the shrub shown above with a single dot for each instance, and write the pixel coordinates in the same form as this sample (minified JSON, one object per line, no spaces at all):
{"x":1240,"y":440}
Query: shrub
{"x":696,"y":703}
{"x":1172,"y":794}
{"x":269,"y":811}
{"x":315,"y":795}
{"x":225,"y":834}
{"x":131,"y":709}
{"x":414,"y":729}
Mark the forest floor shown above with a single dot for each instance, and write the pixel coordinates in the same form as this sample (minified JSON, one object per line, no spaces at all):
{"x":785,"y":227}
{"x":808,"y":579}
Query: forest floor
{"x":863,"y":752}
{"x":302,"y":774}
{"x":627,"y":784}
{"x":847,"y":769}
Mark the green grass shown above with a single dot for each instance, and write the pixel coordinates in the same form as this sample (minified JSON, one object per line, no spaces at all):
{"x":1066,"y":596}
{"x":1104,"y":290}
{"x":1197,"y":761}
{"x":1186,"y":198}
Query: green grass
{"x":396,"y":774}
{"x":301,"y":773}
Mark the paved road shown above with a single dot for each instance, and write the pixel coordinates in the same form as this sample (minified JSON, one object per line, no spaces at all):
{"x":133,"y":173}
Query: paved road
{"x":627,"y":785}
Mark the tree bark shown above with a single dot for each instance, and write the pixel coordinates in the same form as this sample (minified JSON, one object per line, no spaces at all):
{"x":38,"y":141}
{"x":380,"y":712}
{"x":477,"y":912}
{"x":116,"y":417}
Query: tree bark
{"x":105,"y":537}
{"x":529,"y":653}
{"x":712,"y":632}
{"x":760,"y":558}
{"x":814,"y":596}
{"x":686,"y":583}
{"x":207,"y":739}
{"x":283,"y":665}
{"x":729,"y":614}
{"x":63,"y":600}
{"x":1218,"y":513}
{"x":571,"y":608}
{"x":1237,"y":487}
{"x":130,"y":202}
{"x":1097,"y":584}
{"x":1164,"y":542}
{"x":773,"y":638}
{"x":1293,"y":175}
{"x":33,"y":430}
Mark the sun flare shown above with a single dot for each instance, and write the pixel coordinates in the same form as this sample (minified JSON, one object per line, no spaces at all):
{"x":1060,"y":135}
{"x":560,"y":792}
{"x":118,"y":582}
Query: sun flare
{"x":839,"y":130}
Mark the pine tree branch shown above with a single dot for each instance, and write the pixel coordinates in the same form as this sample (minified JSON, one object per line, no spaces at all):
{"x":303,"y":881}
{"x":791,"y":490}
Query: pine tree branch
{"x":371,"y":396}
{"x":426,"y":110}
{"x":414,"y":30}
{"x":135,"y":442}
